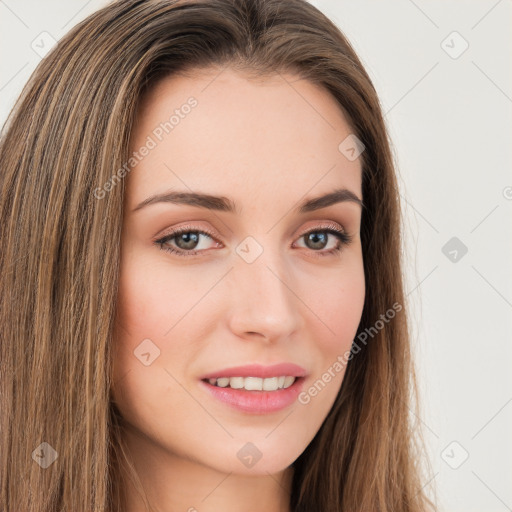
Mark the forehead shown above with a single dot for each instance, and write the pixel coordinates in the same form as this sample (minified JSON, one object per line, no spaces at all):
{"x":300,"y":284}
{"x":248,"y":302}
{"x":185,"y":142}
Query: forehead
{"x":219,"y":131}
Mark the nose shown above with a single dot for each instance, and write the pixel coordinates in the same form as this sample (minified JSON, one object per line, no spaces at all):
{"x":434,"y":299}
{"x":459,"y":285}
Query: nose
{"x":263,"y":303}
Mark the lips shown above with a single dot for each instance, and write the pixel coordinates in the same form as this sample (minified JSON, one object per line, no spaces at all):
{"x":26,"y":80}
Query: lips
{"x":256,"y":389}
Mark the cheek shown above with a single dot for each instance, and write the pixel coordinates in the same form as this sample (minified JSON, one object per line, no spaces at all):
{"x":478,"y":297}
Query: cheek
{"x":151,"y":300}
{"x":346,"y":307}
{"x":336,"y":302}
{"x":143,"y":315}
{"x":154,"y":302}
{"x":337,"y":305}
{"x":153,"y":296}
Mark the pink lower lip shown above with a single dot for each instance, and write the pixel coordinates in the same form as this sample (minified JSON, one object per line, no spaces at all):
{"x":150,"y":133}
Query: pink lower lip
{"x":256,"y":402}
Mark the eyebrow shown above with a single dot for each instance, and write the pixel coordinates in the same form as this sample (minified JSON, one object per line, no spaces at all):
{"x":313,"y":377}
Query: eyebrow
{"x":225,"y":204}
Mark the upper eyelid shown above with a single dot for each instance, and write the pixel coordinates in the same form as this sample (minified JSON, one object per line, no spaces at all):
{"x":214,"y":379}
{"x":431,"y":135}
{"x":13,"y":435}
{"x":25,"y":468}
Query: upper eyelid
{"x":315,"y":224}
{"x":319,"y":227}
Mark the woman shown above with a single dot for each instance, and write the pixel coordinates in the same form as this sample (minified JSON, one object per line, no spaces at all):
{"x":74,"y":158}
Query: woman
{"x":202,"y":300}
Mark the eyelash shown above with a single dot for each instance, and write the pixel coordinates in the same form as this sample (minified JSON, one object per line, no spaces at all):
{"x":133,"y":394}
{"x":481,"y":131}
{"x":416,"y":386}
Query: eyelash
{"x":344,"y":240}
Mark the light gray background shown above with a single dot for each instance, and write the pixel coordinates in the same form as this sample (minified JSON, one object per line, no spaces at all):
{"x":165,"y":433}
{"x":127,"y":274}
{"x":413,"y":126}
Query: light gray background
{"x":449,"y":116}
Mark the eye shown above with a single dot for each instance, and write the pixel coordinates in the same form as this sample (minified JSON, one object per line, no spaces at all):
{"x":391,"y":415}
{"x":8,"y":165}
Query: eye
{"x":318,"y":238}
{"x":186,"y":241}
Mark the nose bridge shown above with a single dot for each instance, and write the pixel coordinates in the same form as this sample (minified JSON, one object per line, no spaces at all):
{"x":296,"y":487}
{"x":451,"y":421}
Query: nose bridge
{"x":262,"y":296}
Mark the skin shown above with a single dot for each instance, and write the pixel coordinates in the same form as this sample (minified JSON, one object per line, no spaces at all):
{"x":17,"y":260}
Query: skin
{"x":267,"y":144}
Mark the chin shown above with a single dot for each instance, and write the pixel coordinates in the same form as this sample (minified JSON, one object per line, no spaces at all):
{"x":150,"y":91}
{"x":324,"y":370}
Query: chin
{"x":259,"y":458}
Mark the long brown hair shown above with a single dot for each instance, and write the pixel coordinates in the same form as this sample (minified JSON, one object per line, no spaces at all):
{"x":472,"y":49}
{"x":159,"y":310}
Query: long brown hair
{"x":67,"y":135}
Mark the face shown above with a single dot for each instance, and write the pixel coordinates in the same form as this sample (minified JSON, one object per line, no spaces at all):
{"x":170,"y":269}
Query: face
{"x":252,"y":280}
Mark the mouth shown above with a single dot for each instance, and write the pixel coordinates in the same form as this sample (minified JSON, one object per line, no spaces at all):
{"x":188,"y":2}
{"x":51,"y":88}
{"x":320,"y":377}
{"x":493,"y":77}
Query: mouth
{"x":256,"y":388}
{"x":254,"y":395}
{"x":253,"y":383}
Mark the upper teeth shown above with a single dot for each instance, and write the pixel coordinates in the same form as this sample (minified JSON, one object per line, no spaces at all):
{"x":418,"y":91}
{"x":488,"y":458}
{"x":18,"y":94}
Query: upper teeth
{"x":254,"y":383}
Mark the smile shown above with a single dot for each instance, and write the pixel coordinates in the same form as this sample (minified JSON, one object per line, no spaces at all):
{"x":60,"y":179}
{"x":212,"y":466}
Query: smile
{"x":254,"y":383}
